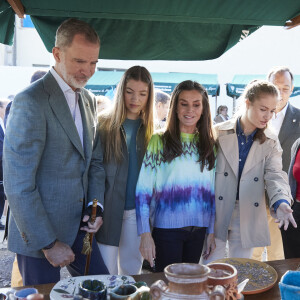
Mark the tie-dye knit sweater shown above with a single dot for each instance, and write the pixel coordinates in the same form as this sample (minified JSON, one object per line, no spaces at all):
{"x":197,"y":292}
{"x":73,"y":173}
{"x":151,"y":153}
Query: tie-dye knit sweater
{"x":175,"y":194}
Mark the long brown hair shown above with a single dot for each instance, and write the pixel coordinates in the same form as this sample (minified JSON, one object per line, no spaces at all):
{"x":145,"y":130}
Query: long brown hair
{"x":110,"y":121}
{"x":205,"y":140}
{"x":254,"y":91}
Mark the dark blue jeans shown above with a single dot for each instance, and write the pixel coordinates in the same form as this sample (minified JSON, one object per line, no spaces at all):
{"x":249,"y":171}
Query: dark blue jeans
{"x":39,"y":270}
{"x":177,"y":246}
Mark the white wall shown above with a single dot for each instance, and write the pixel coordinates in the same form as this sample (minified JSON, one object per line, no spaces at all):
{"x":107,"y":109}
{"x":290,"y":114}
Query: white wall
{"x":15,"y":79}
{"x":2,"y":49}
{"x":30,"y":48}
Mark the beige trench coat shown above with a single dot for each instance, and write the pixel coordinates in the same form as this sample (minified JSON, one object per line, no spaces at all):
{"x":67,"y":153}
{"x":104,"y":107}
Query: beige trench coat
{"x":262,"y":170}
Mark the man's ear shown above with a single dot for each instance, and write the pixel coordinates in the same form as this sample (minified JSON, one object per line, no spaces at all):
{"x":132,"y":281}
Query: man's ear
{"x":56,"y":54}
{"x":247,"y":103}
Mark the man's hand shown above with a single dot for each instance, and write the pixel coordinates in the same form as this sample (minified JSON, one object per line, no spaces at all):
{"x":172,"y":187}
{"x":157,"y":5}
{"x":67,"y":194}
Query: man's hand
{"x":92,"y":228}
{"x":210,"y":246}
{"x":285,"y":216}
{"x":147,"y":248}
{"x":60,"y":255}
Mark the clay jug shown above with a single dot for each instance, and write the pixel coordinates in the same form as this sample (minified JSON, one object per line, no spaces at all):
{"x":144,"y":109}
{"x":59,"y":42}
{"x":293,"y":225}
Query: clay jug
{"x":186,"y":281}
{"x":225,"y":275}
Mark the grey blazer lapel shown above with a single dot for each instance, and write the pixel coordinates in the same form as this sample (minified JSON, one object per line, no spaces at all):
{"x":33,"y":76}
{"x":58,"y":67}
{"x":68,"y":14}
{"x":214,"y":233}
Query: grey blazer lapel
{"x":287,"y":125}
{"x":62,"y":111}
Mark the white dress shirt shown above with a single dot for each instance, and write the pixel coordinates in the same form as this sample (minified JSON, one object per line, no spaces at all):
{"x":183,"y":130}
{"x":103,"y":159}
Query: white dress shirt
{"x":277,"y":119}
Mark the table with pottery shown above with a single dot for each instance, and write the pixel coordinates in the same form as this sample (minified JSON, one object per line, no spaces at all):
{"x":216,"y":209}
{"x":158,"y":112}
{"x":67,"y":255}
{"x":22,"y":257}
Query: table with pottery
{"x":160,"y":289}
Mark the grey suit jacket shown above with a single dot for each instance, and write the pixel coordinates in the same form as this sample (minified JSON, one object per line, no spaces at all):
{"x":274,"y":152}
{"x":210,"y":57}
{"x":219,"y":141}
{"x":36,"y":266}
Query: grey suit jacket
{"x":288,"y":134}
{"x":47,"y":171}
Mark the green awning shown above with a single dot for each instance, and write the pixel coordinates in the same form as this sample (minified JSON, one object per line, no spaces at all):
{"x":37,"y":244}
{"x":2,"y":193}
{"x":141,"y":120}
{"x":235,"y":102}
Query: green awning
{"x":167,"y":81}
{"x":156,"y":30}
{"x":103,"y":81}
{"x":239,"y":82}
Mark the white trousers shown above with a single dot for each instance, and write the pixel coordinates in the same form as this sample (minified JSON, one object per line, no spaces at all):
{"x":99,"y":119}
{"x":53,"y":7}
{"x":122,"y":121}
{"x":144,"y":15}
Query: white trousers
{"x":125,"y":259}
{"x":235,"y":248}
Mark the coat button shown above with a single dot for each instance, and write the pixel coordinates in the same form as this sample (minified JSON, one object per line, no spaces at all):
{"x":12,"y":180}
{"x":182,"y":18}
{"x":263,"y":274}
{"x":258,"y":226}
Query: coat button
{"x":225,"y":174}
{"x":81,"y":199}
{"x":220,"y":198}
{"x":256,"y":204}
{"x":255,"y":178}
{"x":279,"y":191}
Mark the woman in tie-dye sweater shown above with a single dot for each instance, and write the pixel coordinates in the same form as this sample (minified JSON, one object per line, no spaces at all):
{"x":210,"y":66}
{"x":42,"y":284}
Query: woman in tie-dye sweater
{"x":175,"y":190}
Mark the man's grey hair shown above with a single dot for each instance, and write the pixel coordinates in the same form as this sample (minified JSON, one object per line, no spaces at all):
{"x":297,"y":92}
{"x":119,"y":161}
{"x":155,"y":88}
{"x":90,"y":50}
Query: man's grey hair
{"x":69,"y":28}
{"x":277,"y":70}
{"x":161,"y":96}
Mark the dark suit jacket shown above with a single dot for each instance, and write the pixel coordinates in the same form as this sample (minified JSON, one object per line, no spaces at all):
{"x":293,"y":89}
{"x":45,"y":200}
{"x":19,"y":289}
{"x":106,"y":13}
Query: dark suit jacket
{"x":288,"y":134}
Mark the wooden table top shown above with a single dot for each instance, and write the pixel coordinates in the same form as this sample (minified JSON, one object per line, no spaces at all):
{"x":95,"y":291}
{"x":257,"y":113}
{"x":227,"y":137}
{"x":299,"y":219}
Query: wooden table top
{"x":281,"y":266}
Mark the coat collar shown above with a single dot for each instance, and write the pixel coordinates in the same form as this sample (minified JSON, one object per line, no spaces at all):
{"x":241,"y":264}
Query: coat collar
{"x":231,"y":125}
{"x":61,"y":110}
{"x":229,"y":144}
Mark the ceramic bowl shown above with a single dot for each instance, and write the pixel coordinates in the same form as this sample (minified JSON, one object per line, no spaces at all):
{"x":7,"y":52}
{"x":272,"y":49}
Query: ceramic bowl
{"x":93,"y":289}
{"x":125,"y":292}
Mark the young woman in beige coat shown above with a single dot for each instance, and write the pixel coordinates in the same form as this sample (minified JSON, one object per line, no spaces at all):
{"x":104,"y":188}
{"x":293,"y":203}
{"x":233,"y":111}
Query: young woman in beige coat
{"x":248,"y":162}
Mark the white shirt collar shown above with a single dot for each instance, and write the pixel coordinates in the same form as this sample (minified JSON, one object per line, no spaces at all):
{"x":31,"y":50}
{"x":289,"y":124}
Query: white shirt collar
{"x":282,"y":112}
{"x":62,"y":84}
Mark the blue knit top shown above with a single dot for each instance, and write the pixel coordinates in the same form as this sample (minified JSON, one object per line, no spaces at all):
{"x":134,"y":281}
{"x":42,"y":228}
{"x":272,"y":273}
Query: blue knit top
{"x":175,"y":194}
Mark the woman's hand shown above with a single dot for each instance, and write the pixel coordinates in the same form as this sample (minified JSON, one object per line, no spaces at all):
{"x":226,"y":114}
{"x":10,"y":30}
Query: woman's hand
{"x":210,"y":245}
{"x":285,"y":216}
{"x":147,"y":248}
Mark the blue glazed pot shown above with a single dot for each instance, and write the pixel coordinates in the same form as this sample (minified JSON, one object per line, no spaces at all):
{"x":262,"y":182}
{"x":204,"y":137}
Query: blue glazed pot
{"x":93,"y":290}
{"x":125,"y":292}
{"x":289,"y":285}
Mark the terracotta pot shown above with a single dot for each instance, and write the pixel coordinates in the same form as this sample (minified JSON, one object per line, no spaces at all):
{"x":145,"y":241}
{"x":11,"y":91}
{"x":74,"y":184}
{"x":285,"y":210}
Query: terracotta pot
{"x":225,"y":275}
{"x":186,"y":281}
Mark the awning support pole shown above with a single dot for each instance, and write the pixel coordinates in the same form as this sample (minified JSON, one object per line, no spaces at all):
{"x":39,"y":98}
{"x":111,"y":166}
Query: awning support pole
{"x":234,"y":104}
{"x":18,"y":8}
{"x":292,"y":23}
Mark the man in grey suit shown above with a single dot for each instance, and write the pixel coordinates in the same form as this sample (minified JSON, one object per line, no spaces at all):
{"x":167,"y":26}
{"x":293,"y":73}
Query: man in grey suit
{"x":286,"y":122}
{"x":53,"y":162}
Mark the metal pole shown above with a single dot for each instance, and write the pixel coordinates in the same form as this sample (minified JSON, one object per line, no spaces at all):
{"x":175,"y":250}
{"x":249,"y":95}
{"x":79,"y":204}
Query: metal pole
{"x":234,"y":104}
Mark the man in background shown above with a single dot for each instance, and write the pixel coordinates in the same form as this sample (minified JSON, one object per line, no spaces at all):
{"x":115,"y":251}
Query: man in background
{"x":162,"y":103}
{"x":287,"y":125}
